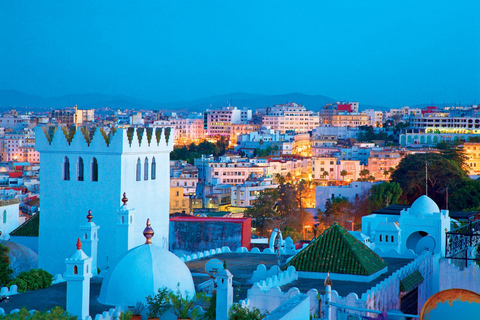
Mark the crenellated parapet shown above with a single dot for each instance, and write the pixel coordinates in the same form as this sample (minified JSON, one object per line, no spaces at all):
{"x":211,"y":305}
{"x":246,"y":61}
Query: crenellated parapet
{"x":111,"y":140}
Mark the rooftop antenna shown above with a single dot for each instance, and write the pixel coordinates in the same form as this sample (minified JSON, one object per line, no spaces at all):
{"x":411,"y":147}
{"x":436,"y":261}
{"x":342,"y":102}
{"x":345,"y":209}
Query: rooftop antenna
{"x":426,"y":178}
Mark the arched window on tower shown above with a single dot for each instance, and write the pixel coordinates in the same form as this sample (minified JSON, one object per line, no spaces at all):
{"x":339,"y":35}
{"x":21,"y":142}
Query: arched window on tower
{"x":66,"y":169}
{"x":75,"y":270}
{"x":154,"y":169}
{"x":145,"y":169}
{"x":139,"y":170}
{"x":80,"y":169}
{"x":94,"y":165}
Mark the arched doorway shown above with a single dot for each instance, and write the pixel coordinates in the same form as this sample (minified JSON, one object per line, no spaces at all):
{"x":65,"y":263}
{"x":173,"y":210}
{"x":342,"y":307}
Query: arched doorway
{"x":420,"y":241}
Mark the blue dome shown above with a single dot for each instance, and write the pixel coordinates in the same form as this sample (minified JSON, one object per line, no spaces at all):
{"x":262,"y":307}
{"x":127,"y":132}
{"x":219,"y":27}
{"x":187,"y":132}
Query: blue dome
{"x":424,"y":206}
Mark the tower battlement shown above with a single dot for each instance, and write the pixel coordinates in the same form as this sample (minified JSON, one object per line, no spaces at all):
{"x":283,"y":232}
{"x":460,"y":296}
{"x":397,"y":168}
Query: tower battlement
{"x":112,"y":140}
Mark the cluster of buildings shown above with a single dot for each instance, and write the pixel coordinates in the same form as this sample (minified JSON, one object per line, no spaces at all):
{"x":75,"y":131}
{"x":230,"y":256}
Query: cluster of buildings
{"x":108,"y":190}
{"x":265,"y":143}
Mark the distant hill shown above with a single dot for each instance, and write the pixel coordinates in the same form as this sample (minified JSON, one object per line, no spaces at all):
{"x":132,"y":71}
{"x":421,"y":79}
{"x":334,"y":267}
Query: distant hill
{"x":15,"y":99}
{"x":312,"y":102}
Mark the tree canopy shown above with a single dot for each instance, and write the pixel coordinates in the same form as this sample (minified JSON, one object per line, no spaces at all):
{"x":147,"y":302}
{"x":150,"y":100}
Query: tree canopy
{"x":195,"y":151}
{"x":281,"y":208}
{"x":443,"y":172}
{"x":384,"y":194}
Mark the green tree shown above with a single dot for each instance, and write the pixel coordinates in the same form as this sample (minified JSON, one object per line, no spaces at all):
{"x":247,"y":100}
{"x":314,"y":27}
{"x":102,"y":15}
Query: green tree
{"x":337,"y":209}
{"x":343,"y":173}
{"x":364,"y":173}
{"x":5,"y":269}
{"x":264,"y":210}
{"x":384,"y":194}
{"x":450,"y":151}
{"x":466,"y":197}
{"x":442,"y":173}
{"x":325,"y":174}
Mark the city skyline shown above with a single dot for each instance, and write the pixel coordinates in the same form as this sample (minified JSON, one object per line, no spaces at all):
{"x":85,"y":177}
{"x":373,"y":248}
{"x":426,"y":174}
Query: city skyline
{"x":384,"y":54}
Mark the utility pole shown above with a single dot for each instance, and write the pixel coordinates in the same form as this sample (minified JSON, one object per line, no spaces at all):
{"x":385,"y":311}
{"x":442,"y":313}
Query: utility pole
{"x":426,"y":179}
{"x":447,"y":198}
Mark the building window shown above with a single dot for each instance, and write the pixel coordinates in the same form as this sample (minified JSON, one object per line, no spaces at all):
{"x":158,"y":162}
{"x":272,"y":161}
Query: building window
{"x":139,"y":170}
{"x":154,"y":169}
{"x":75,"y":270}
{"x":94,"y":169}
{"x":66,"y":169}
{"x":145,"y":168}
{"x":380,"y":238}
{"x":80,"y":169}
{"x":392,"y":238}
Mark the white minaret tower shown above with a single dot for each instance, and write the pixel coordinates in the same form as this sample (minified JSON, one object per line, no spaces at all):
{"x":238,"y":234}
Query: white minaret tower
{"x":90,"y":240}
{"x":78,"y":275}
{"x":93,"y":167}
{"x":125,"y":230}
{"x":224,"y":293}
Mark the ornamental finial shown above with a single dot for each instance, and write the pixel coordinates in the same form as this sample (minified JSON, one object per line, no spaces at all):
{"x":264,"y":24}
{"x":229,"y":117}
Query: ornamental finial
{"x":328,"y":281}
{"x":124,"y":199}
{"x":79,"y":244}
{"x":148,"y":233}
{"x":89,"y":216}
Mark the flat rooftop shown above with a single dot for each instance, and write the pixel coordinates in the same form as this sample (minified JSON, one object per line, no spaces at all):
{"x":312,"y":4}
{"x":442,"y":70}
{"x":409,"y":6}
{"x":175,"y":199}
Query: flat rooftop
{"x":345,"y":287}
{"x":241,"y":265}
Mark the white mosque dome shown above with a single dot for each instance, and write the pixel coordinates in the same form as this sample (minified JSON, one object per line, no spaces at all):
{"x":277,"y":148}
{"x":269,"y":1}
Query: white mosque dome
{"x":424,"y":206}
{"x":141,"y":272}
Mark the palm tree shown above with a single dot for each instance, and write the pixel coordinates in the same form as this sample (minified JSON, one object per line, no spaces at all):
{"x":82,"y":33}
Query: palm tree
{"x":343,"y":173}
{"x":325,"y":174}
{"x":289,"y":176}
{"x":385,"y":173}
{"x":364,"y":173}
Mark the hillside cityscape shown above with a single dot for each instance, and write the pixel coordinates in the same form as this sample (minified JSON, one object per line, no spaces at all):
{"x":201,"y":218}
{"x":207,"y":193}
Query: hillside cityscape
{"x":286,"y":175}
{"x":239,"y":160}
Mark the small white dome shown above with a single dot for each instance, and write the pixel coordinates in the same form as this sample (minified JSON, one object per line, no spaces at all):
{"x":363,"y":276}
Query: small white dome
{"x":424,"y":206}
{"x":141,"y":272}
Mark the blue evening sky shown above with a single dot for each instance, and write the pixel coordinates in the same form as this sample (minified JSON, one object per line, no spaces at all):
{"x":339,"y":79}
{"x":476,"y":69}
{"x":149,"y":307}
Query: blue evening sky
{"x":392,"y":53}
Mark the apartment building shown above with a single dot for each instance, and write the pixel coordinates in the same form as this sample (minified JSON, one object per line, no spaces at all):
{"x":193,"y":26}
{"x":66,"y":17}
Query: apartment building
{"x":73,"y":116}
{"x":442,"y":121}
{"x":330,"y":168}
{"x":186,"y":178}
{"x":375,"y":117}
{"x":350,"y":120}
{"x":339,"y":132}
{"x":380,"y":162}
{"x":218,"y":122}
{"x":290,"y":117}
{"x":298,"y":167}
{"x":246,"y":194}
{"x":19,"y":147}
{"x":188,"y":130}
{"x":472,"y":152}
{"x":324,"y":168}
{"x":179,"y":202}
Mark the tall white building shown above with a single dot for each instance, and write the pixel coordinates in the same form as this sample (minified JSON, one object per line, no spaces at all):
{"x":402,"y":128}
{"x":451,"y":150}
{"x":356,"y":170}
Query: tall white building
{"x":290,"y":116}
{"x":218,"y":122}
{"x":375,"y":116}
{"x":84,"y":170}
{"x":188,"y":130}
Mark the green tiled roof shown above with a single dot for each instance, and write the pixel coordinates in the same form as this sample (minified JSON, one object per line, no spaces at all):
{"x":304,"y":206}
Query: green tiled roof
{"x":29,"y":228}
{"x":337,"y":251}
{"x":411,"y":281}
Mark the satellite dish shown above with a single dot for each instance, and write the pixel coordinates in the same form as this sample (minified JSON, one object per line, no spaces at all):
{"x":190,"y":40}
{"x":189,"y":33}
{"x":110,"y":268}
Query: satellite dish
{"x":213,"y":266}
